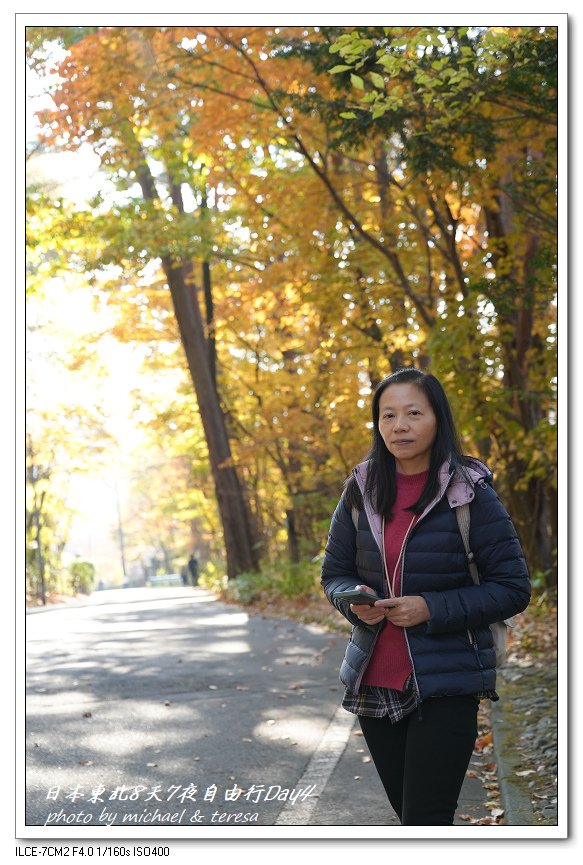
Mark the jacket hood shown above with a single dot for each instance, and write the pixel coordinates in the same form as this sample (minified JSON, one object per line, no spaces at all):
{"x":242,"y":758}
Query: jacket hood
{"x":459,"y":485}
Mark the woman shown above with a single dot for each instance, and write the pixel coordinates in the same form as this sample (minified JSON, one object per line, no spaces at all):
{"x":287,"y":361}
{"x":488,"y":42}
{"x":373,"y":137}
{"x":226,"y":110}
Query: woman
{"x":421,"y":657}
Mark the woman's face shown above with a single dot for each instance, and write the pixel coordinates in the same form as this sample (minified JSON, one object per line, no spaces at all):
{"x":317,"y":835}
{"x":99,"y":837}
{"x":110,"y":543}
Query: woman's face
{"x":408,"y":426}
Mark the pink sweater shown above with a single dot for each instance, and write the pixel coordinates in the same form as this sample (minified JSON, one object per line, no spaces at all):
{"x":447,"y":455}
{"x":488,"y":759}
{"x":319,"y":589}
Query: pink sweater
{"x":390,"y":664}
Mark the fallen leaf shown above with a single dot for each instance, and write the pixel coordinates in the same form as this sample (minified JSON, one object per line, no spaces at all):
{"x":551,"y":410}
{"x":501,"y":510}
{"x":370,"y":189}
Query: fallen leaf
{"x":483,"y":741}
{"x":525,"y":773}
{"x":85,"y":762}
{"x":358,"y":733}
{"x":478,"y":821}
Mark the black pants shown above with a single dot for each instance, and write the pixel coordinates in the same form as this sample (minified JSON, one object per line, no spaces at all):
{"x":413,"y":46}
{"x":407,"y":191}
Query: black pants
{"x":422,"y":759}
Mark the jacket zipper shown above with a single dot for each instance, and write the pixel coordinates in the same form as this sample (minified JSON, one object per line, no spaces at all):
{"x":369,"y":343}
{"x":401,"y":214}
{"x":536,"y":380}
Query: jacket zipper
{"x":410,"y":532}
{"x":416,"y":684}
{"x":407,"y":536}
{"x":385,"y":574}
{"x":474,"y":645}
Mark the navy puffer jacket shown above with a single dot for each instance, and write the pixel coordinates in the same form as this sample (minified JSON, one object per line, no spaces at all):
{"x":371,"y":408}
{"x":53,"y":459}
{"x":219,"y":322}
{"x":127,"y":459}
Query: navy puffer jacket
{"x":453,"y":652}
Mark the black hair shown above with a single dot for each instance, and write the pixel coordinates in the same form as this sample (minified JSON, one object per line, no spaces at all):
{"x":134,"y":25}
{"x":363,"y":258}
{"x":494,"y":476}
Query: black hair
{"x":381,"y":483}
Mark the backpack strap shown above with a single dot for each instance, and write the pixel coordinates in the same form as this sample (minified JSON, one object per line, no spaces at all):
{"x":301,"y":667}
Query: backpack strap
{"x":462,"y":513}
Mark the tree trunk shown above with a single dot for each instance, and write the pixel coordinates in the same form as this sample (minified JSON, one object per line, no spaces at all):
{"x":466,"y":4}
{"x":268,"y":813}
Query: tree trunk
{"x":120,"y":533}
{"x":167,"y":556}
{"x":39,"y":550}
{"x":531,"y":510}
{"x":210,"y":325}
{"x":208,"y":295}
{"x":532,"y":506}
{"x":292,"y":537}
{"x":240,"y":547}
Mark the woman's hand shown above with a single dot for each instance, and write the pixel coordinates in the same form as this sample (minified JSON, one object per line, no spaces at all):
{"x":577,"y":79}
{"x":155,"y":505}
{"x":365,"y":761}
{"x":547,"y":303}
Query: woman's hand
{"x":406,"y":611}
{"x":368,"y":615}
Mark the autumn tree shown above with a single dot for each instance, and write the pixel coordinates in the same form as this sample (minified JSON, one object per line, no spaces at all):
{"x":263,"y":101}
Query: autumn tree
{"x":61,"y":440}
{"x":349,"y":200}
{"x":476,"y":112}
{"x":119,"y":122}
{"x":454,"y":224}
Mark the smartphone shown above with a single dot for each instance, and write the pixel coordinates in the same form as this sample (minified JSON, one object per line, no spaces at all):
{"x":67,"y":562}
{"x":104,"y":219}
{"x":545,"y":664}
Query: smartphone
{"x":357,"y":596}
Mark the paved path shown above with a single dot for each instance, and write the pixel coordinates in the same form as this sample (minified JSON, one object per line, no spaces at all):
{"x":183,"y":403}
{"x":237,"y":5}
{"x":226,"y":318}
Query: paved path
{"x":165,"y":709}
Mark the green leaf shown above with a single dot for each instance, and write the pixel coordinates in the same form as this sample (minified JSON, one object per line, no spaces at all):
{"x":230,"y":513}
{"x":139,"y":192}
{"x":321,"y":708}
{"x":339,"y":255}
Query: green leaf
{"x":393,"y":65}
{"x":348,"y":115}
{"x":377,"y":80}
{"x":379,"y":111}
{"x":336,"y":69}
{"x":357,"y":81}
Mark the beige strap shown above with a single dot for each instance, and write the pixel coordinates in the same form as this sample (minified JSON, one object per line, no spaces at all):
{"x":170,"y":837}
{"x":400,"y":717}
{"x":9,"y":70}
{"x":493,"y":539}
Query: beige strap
{"x":462,"y":513}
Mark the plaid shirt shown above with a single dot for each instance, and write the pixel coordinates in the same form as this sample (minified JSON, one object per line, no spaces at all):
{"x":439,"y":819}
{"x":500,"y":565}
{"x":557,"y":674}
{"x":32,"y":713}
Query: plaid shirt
{"x":377,"y":702}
